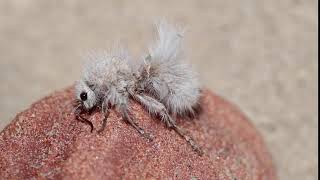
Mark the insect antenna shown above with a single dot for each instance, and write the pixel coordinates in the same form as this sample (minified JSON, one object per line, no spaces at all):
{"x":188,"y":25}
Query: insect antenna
{"x":78,"y":111}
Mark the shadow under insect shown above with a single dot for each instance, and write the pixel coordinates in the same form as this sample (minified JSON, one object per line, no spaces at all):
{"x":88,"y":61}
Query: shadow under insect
{"x":79,"y":111}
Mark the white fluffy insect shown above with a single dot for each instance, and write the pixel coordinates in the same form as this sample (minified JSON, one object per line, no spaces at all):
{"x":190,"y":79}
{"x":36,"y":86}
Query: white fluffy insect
{"x":163,"y":83}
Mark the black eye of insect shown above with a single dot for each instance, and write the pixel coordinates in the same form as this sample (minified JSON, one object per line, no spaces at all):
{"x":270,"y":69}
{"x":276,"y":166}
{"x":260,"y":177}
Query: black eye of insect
{"x":83,"y":96}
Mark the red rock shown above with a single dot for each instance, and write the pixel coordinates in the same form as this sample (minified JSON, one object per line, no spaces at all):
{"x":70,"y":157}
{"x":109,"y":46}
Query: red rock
{"x":46,"y":142}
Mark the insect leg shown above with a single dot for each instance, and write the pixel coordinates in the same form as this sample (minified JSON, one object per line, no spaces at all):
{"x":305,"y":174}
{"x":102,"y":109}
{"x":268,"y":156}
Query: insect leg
{"x":156,"y":107}
{"x":125,"y":115}
{"x":105,"y":109}
{"x":192,"y":143}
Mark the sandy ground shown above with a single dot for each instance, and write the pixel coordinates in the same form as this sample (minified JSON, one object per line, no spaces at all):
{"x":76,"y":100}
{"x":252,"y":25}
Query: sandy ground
{"x":261,"y":55}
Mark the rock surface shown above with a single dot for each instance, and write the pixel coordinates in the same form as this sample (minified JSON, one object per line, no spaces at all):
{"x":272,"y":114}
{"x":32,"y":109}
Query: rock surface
{"x":46,"y":142}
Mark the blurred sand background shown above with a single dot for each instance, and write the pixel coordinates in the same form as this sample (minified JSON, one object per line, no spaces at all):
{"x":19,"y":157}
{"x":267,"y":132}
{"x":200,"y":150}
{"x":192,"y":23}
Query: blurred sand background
{"x":260,"y":55}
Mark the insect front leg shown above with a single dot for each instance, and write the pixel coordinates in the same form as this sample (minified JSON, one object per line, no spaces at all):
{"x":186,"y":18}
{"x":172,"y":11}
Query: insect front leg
{"x":105,"y":109}
{"x":156,"y":107}
{"x":125,"y":115}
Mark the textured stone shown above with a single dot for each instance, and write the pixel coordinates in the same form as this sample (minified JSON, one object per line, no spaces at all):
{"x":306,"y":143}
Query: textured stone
{"x":45,"y":141}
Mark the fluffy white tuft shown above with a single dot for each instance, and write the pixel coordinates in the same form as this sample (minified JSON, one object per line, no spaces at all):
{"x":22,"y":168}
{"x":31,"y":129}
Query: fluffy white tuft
{"x":170,"y":79}
{"x":168,"y":45}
